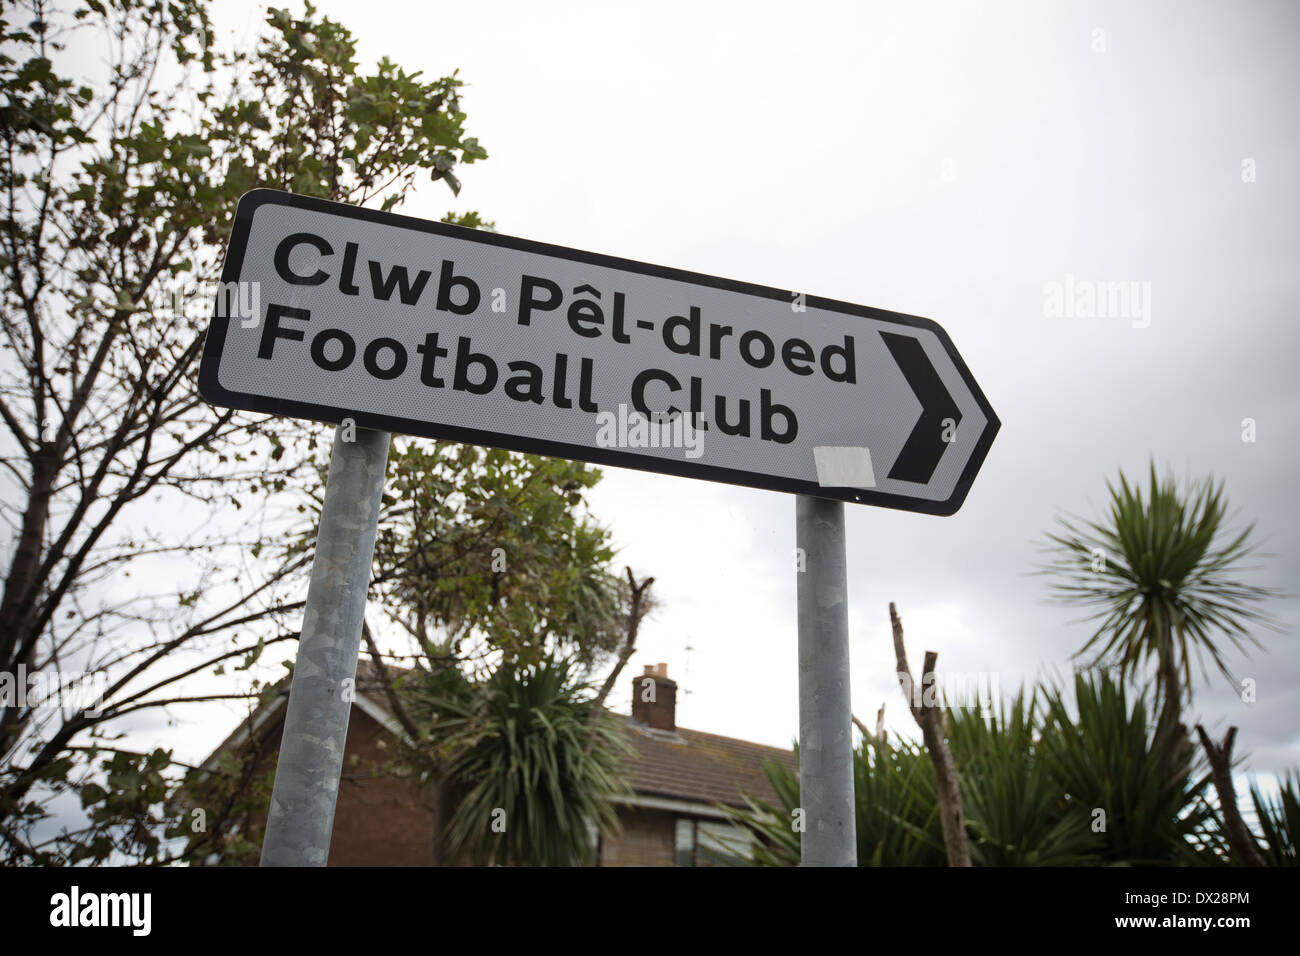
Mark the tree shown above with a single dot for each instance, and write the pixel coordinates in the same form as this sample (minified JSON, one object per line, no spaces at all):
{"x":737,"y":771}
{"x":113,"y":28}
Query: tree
{"x":498,"y":583}
{"x":118,"y":182}
{"x":1100,"y":782}
{"x":482,"y":551}
{"x":1163,"y":573}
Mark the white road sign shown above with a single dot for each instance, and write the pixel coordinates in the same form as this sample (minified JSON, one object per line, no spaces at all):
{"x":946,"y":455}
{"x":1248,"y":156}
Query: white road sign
{"x":332,"y":312}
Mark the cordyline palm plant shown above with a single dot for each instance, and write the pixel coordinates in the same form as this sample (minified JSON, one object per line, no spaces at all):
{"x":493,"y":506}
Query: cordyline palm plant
{"x":1108,"y":758}
{"x":1033,"y":774}
{"x":530,"y":772}
{"x":897,"y":811}
{"x":1163,"y":575}
{"x":1017,"y":811}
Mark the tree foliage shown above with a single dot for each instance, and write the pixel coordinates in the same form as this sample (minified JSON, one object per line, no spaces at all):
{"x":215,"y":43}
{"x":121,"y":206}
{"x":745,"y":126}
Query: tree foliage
{"x":128,"y":135}
{"x":486,"y":552}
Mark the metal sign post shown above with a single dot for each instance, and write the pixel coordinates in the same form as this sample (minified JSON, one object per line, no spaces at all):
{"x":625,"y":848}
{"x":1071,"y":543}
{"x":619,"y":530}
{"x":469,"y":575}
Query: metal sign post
{"x":825,"y":712}
{"x":301,"y":817}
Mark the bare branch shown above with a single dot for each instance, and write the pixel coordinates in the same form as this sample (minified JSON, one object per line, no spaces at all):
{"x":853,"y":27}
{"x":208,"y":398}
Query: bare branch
{"x":929,"y":716}
{"x":1239,"y":836}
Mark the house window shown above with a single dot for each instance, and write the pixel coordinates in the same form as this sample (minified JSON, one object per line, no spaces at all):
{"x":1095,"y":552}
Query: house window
{"x":700,"y":843}
{"x":684,"y":843}
{"x":723,"y":844}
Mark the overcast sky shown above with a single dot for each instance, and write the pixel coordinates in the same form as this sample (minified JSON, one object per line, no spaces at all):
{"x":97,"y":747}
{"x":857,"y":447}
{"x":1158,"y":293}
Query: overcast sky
{"x":947,"y":161}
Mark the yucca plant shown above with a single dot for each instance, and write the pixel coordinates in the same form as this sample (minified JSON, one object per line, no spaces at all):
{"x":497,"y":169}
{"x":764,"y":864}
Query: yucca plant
{"x":897,"y":815}
{"x":1278,"y":819}
{"x":1109,"y":757}
{"x":897,"y":806}
{"x":530,"y":773}
{"x":1162,"y":573}
{"x":1016,"y":808}
{"x":1033,"y":775}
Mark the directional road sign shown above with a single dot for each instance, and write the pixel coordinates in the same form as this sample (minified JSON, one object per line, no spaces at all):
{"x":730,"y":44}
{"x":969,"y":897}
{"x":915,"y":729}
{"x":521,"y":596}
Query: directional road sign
{"x":331,"y":312}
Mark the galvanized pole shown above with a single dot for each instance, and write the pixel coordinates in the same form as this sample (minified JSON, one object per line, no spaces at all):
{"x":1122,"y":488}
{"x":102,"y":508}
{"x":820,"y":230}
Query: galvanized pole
{"x":825,"y":717}
{"x":301,"y":816}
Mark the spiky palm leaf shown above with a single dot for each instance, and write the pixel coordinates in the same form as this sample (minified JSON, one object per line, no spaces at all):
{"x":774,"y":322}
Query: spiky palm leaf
{"x":1278,"y":818}
{"x":776,"y":840}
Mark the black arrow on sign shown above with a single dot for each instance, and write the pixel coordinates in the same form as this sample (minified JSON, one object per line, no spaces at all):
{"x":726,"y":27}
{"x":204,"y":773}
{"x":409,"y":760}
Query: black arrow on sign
{"x":925,"y":446}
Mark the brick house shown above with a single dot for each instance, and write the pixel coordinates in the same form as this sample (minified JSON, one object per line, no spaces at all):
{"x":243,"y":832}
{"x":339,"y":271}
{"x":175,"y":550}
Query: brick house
{"x":679,"y":778}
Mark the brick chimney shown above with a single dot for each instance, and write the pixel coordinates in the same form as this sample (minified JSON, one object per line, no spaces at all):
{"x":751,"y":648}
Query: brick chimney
{"x":654,"y":698}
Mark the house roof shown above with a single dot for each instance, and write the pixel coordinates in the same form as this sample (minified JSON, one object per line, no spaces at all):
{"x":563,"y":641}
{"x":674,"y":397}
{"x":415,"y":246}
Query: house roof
{"x":683,"y":765}
{"x":688,"y":765}
{"x":693,"y":765}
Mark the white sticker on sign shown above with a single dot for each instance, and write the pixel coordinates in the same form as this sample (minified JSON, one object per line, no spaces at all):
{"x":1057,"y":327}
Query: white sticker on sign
{"x":844,"y":467}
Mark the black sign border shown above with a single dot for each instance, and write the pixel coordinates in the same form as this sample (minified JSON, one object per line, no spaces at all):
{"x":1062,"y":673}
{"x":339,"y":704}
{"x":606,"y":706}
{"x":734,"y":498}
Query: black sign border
{"x":213,"y":392}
